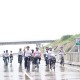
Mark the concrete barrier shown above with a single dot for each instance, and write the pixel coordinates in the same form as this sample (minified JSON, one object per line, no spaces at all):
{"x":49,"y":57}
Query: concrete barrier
{"x":72,"y":58}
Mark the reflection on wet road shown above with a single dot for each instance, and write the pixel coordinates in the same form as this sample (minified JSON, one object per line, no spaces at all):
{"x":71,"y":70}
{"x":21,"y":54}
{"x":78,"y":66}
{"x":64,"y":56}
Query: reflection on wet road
{"x":15,"y":72}
{"x":12,"y":71}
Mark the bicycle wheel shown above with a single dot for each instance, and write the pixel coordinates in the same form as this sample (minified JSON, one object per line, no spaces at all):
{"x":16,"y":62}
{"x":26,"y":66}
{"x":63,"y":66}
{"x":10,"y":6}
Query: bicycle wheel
{"x":54,"y":66}
{"x":37,"y":63}
{"x":6,"y":62}
{"x":10,"y":60}
{"x":28,"y":66}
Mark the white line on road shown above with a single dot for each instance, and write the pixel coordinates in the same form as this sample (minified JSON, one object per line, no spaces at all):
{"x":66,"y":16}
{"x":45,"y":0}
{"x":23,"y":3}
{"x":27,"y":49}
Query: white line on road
{"x":28,"y":75}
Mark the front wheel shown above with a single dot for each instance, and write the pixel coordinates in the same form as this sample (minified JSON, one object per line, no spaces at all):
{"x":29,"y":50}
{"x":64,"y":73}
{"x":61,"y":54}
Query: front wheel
{"x":6,"y":61}
{"x":38,"y":63}
{"x":62,"y":61}
{"x":10,"y":60}
{"x":28,"y":66}
{"x":20,"y":59}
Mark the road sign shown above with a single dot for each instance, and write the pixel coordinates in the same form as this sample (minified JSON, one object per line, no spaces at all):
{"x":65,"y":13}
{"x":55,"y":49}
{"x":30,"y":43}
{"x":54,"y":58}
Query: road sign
{"x":77,"y":41}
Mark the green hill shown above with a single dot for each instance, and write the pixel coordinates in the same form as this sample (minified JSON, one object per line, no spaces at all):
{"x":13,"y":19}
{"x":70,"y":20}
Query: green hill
{"x":67,"y":41}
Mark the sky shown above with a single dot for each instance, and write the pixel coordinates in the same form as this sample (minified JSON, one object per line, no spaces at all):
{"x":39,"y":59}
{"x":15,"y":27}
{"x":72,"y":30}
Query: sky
{"x":38,"y":19}
{"x":28,"y":20}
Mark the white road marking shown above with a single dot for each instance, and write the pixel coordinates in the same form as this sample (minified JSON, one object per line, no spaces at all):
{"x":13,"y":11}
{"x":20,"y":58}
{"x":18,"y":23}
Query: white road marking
{"x":28,"y":75}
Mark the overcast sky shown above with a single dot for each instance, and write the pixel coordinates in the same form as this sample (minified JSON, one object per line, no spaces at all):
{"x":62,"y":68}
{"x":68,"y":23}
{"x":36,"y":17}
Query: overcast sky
{"x":38,"y":19}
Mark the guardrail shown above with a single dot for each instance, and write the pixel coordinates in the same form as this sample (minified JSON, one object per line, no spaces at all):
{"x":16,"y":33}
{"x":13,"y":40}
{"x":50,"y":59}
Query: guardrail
{"x":72,"y":56}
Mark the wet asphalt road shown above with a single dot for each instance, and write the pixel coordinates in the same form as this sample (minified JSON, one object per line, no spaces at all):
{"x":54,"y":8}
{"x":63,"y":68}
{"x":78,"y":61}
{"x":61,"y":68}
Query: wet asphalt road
{"x":16,"y":72}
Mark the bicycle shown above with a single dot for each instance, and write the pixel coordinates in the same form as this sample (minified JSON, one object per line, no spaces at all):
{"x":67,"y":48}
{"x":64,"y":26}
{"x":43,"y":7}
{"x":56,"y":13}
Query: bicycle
{"x":37,"y":62}
{"x":6,"y":61}
{"x":62,"y":61}
{"x":20,"y":59}
{"x":11,"y":60}
{"x":28,"y":64}
{"x":47,"y":62}
{"x":52,"y":63}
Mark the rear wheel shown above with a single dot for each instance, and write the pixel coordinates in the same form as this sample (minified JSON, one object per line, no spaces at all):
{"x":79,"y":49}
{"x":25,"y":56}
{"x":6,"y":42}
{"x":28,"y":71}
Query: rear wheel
{"x":10,"y":60}
{"x":28,"y":66}
{"x":20,"y":60}
{"x":6,"y":62}
{"x":37,"y":63}
{"x":62,"y":61}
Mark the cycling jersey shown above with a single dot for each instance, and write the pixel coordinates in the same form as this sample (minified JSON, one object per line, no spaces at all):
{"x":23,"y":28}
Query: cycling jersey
{"x":27,"y":53}
{"x":51,"y":54}
{"x":20,"y":53}
{"x":6,"y":54}
{"x":37,"y":54}
{"x":62,"y":53}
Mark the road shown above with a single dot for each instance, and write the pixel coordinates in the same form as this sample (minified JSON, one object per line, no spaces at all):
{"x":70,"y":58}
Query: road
{"x":16,"y":72}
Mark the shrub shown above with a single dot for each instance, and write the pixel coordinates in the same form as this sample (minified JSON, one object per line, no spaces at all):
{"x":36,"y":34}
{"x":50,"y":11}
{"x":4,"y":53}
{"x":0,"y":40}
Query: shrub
{"x":65,"y":37}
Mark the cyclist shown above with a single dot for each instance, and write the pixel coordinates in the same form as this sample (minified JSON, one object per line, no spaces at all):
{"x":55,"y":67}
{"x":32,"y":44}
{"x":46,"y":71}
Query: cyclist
{"x":27,"y":57}
{"x":52,"y":58}
{"x":37,"y":55}
{"x":32,"y":56}
{"x":62,"y":53}
{"x":46,"y":56}
{"x":6,"y":55}
{"x":20,"y":55}
{"x":3,"y":56}
{"x":45,"y":50}
{"x":11,"y":56}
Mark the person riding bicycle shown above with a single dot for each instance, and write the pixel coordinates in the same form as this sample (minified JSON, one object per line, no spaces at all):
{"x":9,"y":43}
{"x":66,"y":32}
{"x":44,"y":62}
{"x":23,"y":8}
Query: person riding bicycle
{"x":52,"y":57}
{"x":45,"y":52}
{"x":6,"y":57}
{"x":62,"y":53}
{"x":37,"y":55}
{"x":27,"y":56}
{"x":20,"y":55}
{"x":3,"y":56}
{"x":32,"y":56}
{"x":46,"y":55}
{"x":11,"y":56}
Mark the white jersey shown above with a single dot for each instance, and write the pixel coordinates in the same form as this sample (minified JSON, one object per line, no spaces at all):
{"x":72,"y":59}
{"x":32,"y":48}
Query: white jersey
{"x":20,"y":53}
{"x":46,"y":53}
{"x":62,"y":52}
{"x":27,"y":53}
{"x":6,"y":54}
{"x":37,"y":54}
{"x":3,"y":54}
{"x":51,"y":54}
